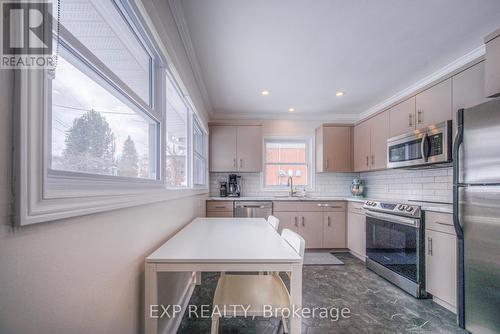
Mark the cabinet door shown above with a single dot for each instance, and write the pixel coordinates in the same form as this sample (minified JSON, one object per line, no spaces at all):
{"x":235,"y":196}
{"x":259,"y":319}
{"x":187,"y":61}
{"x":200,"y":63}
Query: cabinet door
{"x":289,"y":220}
{"x":356,"y":234}
{"x":334,"y":229}
{"x":492,"y":78}
{"x":249,"y":148}
{"x":311,"y":229}
{"x":434,"y":104}
{"x":468,"y":90}
{"x":441,"y":266}
{"x":223,"y":149}
{"x":402,"y":118}
{"x":378,"y":141}
{"x":337,"y":148}
{"x":362,"y":146}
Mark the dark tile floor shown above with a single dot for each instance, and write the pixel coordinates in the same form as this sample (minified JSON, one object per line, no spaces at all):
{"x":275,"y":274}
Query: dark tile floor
{"x":376,"y":305}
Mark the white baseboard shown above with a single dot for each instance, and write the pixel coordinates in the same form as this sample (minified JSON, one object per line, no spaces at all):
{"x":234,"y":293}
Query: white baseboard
{"x":444,"y":304}
{"x":359,"y":256}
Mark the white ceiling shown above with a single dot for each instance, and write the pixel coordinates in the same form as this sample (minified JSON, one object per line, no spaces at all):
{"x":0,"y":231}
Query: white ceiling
{"x":304,"y":51}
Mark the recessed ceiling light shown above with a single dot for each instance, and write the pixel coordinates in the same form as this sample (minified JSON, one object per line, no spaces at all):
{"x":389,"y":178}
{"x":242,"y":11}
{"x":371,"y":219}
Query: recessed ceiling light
{"x":265,"y":92}
{"x":291,"y":109}
{"x":340,"y":93}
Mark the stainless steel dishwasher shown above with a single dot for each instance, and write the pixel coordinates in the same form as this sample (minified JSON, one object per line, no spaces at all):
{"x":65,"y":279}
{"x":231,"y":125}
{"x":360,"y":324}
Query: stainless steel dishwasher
{"x":253,"y":209}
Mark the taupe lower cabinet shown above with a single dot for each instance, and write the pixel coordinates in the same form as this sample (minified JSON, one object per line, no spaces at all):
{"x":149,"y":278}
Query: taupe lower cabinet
{"x":441,"y":259}
{"x":321,"y":224}
{"x":356,"y":230}
{"x":334,"y":149}
{"x":219,"y":208}
{"x":235,"y":148}
{"x":370,"y":143}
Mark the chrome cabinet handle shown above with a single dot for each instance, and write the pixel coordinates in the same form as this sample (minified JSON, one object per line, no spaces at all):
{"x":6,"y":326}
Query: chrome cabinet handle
{"x":296,"y":222}
{"x":367,"y":161}
{"x":419,"y":116}
{"x":241,"y":163}
{"x":373,"y":159}
{"x":234,"y":163}
{"x":220,"y":207}
{"x":303,"y":221}
{"x":327,"y":163}
{"x":410,"y":120}
{"x":329,"y":222}
{"x":429,"y":243}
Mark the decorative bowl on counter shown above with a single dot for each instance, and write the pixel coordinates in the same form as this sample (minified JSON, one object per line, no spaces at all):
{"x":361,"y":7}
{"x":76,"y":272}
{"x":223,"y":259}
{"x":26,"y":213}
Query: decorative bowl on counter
{"x":357,"y":187}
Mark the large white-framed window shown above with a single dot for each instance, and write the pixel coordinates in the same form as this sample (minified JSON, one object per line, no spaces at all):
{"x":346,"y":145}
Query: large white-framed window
{"x":200,"y":154}
{"x":177,"y":148}
{"x":98,"y":132}
{"x":284,"y":158}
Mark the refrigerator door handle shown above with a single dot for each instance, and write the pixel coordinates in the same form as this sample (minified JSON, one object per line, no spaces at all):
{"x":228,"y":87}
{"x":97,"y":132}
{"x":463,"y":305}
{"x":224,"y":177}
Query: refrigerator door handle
{"x":456,"y":172}
{"x":456,"y":218}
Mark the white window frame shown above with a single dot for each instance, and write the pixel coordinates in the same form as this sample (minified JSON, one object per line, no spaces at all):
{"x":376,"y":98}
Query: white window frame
{"x":45,"y":195}
{"x":189,"y":131}
{"x":203,"y":155}
{"x":309,"y":162}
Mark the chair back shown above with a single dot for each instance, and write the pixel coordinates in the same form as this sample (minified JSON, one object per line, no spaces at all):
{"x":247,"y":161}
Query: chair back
{"x":274,"y":222}
{"x":294,"y":240}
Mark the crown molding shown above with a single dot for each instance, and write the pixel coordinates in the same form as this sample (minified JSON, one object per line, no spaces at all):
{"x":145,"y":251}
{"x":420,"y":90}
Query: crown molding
{"x":180,"y":22}
{"x":442,"y":74}
{"x":318,"y":116}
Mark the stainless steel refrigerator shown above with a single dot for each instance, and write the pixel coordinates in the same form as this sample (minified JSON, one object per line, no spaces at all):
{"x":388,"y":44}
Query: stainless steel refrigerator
{"x":476,"y":199}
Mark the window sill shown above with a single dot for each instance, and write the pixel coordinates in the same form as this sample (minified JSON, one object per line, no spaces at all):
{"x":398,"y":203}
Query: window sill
{"x":54,"y":209}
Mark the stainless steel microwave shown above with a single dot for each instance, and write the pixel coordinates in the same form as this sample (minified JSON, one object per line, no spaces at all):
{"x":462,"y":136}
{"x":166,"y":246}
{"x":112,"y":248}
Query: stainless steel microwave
{"x":426,"y":146}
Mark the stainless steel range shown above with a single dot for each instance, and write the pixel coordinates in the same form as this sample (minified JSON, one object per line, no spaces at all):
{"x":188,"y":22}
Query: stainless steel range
{"x":395,"y":244}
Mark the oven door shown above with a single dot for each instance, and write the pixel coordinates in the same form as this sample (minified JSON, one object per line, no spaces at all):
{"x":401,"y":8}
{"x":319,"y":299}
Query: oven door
{"x":395,"y":242}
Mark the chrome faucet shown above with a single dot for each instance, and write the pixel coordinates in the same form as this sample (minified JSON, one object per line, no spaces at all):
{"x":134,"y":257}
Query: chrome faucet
{"x":291,"y":192}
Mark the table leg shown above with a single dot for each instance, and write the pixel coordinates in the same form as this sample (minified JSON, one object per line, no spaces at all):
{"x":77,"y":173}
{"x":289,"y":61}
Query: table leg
{"x":150,"y":297}
{"x":296,"y":296}
{"x":198,"y":278}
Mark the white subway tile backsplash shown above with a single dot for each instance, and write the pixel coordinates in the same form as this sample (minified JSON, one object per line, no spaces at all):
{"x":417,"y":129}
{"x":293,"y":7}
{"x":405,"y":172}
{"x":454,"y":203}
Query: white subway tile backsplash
{"x":396,"y":184}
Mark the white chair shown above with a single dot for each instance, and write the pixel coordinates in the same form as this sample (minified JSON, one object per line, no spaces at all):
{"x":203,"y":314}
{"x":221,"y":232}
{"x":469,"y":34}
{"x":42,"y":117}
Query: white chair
{"x":254,"y":290}
{"x":274,"y":222}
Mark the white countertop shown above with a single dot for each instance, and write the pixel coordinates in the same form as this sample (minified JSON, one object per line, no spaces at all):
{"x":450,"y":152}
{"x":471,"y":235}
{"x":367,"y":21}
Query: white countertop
{"x":426,"y":206}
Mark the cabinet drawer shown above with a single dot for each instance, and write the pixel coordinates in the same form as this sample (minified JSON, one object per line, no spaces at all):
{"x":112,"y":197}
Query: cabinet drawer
{"x":356,"y":207}
{"x":219,"y":214}
{"x":441,"y":222}
{"x":295,"y":206}
{"x":333,"y":206}
{"x":218,"y":206}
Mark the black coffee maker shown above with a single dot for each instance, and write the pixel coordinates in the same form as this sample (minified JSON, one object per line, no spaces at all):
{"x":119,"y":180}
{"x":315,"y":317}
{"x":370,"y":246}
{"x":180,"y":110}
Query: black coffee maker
{"x":234,"y":186}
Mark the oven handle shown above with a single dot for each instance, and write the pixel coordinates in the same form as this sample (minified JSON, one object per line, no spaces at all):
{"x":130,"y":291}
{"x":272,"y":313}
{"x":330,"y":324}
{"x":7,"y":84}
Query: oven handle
{"x":394,"y":219}
{"x":424,"y":148}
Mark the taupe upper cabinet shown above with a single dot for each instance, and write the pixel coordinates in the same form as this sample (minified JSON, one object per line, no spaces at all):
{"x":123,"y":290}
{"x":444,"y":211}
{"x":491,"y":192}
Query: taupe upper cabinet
{"x":378,"y":141}
{"x":402,"y":118}
{"x":235,"y":148}
{"x":334,"y":149}
{"x":492,"y":78}
{"x":362,"y":146}
{"x":370,"y":143}
{"x":433,"y":105}
{"x":468,"y":89}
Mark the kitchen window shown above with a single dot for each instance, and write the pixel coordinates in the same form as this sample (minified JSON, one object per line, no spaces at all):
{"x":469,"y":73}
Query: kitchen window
{"x":284,"y":158}
{"x":200,"y":145}
{"x":109,"y":127}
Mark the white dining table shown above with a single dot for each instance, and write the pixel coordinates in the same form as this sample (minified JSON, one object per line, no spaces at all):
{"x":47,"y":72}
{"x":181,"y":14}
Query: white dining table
{"x":223,"y":244}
